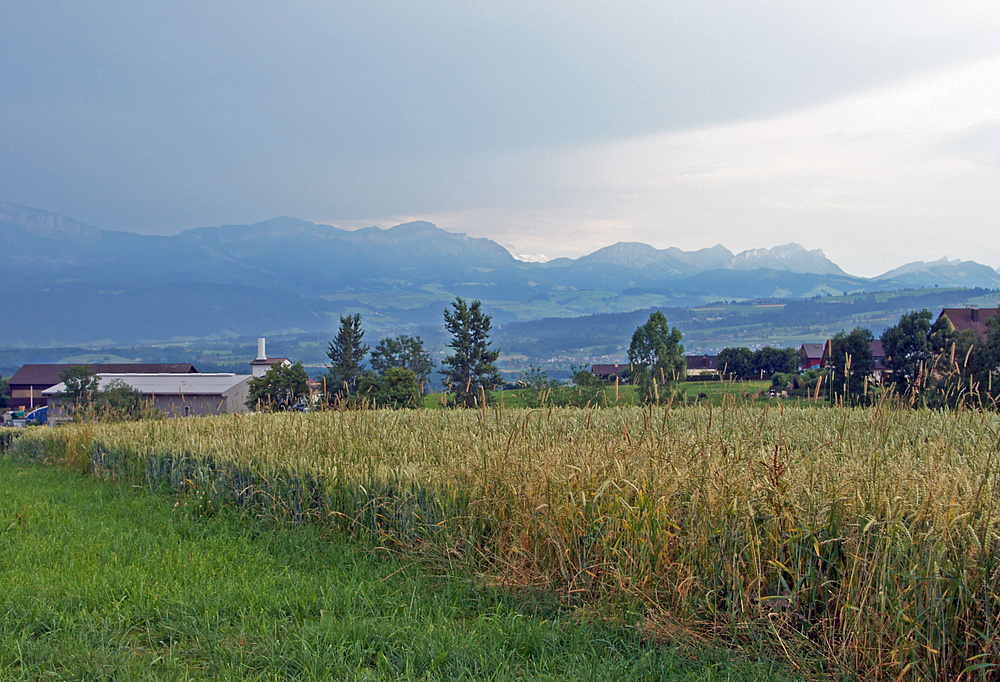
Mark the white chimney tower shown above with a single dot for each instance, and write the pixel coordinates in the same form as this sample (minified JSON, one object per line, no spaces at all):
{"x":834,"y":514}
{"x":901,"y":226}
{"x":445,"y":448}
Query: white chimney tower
{"x":261,"y":364}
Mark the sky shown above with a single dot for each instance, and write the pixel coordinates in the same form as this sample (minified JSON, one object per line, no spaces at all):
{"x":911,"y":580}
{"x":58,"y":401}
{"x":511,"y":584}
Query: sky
{"x":868,"y":130}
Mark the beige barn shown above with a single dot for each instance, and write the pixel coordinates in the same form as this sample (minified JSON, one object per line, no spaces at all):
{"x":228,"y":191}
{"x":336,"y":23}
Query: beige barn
{"x":175,"y":395}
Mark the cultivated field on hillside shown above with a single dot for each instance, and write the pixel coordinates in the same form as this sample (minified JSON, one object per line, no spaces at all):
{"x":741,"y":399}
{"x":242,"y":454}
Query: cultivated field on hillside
{"x":858,"y":541}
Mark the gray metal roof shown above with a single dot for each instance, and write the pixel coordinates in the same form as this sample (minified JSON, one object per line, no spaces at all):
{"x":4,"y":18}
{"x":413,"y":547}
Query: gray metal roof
{"x":168,"y":384}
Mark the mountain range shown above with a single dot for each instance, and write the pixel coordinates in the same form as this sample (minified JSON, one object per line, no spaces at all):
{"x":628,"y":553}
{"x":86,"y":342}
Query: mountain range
{"x":72,"y":283}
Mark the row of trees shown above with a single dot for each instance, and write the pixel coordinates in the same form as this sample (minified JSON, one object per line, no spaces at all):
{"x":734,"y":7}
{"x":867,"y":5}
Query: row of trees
{"x":116,"y":400}
{"x":743,"y":363}
{"x":929,"y":364}
{"x":397,"y":371}
{"x":400,"y":367}
{"x":934,"y":365}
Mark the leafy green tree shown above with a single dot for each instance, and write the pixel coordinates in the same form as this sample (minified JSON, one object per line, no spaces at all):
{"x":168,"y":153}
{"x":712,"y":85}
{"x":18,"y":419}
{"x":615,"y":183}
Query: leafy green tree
{"x":4,"y":393}
{"x":736,"y":363}
{"x":909,"y":348}
{"x":853,"y":364}
{"x":975,"y":375}
{"x":346,"y":353}
{"x":470,"y":373}
{"x":770,"y":360}
{"x":657,"y":358}
{"x":396,"y":387}
{"x":404,"y":352}
{"x":81,"y":384}
{"x":584,"y":378}
{"x":117,"y":401}
{"x":537,"y":378}
{"x":282,"y":388}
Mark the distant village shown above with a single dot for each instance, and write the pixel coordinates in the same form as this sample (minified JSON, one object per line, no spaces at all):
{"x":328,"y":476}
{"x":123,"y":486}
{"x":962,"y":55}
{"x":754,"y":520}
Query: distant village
{"x":37,"y":392}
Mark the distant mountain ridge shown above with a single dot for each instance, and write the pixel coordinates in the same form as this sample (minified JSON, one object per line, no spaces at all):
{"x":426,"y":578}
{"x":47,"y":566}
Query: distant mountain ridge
{"x":81,"y":284}
{"x":944,"y":272}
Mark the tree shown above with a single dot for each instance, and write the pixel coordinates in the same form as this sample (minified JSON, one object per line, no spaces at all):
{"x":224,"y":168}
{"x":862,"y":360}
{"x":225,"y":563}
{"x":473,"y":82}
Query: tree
{"x":404,"y":352}
{"x":470,"y":373}
{"x":346,"y":353}
{"x":4,"y":393}
{"x":396,"y":387}
{"x":736,"y":363}
{"x":910,"y":350}
{"x":657,"y":358}
{"x":119,"y":401}
{"x":583,"y":377}
{"x":770,"y":360}
{"x":81,"y":386}
{"x":282,"y":388}
{"x":853,"y":363}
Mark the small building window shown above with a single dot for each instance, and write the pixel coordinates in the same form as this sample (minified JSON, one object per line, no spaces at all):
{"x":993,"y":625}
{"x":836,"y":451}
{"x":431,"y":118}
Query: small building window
{"x":187,"y":411}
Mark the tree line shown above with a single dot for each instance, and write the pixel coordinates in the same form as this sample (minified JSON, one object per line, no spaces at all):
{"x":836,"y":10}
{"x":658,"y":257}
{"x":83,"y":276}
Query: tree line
{"x":398,"y":369}
{"x":928,"y":364}
{"x":396,"y":373}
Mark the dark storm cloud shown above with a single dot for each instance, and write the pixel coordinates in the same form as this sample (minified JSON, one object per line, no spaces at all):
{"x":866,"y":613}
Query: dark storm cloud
{"x":158,"y":116}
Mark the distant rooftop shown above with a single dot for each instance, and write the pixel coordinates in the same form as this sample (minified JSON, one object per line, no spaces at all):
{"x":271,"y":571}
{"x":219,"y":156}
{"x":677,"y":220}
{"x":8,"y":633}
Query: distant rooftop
{"x":168,"y":384}
{"x":48,"y":375}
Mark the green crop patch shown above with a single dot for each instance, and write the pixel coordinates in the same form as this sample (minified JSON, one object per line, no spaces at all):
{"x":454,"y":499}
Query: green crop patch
{"x":109,"y":581}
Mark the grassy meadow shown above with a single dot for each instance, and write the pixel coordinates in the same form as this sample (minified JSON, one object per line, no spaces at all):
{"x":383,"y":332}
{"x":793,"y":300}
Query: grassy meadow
{"x":104,"y":581}
{"x":845,"y":542}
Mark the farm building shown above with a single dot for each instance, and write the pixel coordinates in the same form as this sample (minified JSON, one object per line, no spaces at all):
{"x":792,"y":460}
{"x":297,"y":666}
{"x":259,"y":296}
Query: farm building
{"x":973,"y":319}
{"x":28,"y":384}
{"x":175,"y":395}
{"x":702,"y":364}
{"x":878,"y":356}
{"x":609,"y":372}
{"x":811,"y":355}
{"x":262,"y":364}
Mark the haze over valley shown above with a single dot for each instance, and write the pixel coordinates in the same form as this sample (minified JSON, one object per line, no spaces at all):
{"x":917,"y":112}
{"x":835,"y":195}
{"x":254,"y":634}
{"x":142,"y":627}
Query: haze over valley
{"x":285,"y":277}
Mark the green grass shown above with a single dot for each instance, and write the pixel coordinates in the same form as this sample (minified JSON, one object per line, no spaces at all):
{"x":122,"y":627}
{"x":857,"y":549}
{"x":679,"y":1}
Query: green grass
{"x":107,"y":581}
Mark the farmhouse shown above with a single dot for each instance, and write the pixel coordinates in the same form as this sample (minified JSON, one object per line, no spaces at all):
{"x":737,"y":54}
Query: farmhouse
{"x":175,"y":395}
{"x":28,"y":384}
{"x":702,"y":364}
{"x":879,"y":357}
{"x":609,"y":372}
{"x":260,"y":365}
{"x":971,"y":319}
{"x":811,"y":355}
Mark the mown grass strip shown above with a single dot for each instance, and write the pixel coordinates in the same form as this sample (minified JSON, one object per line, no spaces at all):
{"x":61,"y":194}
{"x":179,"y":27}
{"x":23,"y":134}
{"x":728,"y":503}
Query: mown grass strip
{"x":107,"y":581}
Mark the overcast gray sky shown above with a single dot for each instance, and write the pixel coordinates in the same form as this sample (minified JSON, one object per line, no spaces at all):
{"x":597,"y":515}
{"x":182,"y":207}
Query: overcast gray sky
{"x":870,"y":130}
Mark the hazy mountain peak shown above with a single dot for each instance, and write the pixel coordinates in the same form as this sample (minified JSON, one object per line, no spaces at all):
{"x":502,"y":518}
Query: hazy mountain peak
{"x":944,"y":272}
{"x":526,"y":257}
{"x":787,"y":257}
{"x":46,"y":223}
{"x":628,"y":254}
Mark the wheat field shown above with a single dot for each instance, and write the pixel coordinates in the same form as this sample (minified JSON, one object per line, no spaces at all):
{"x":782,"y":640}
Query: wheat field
{"x":865,"y":539}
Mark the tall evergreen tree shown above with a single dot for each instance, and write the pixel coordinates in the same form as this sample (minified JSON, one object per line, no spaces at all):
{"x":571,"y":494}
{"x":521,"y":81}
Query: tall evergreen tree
{"x":470,"y":373}
{"x":346,"y":353}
